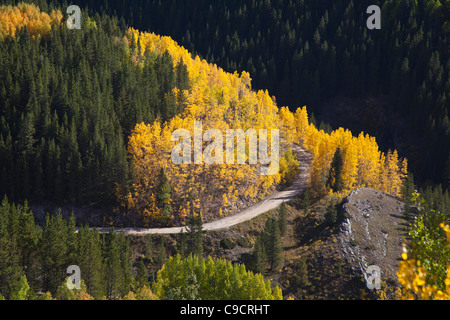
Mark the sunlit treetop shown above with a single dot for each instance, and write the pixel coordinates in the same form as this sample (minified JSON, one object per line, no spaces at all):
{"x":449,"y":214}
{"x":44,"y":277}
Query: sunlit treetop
{"x":13,"y":19}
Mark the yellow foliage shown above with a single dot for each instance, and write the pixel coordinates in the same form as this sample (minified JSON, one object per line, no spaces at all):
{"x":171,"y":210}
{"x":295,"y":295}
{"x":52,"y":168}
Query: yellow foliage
{"x":364,"y":165}
{"x":143,"y":293}
{"x":224,"y":200}
{"x":413,"y":279}
{"x":13,"y":19}
{"x":223,"y":101}
{"x":412,"y":276}
{"x":447,"y":230}
{"x":289,"y":166}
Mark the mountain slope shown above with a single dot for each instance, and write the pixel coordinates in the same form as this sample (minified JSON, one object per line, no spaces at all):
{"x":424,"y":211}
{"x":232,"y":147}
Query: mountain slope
{"x":373,"y":232}
{"x":270,"y":203}
{"x":307,"y":52}
{"x":329,"y":261}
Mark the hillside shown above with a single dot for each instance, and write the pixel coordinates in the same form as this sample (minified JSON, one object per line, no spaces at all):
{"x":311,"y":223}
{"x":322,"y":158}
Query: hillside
{"x":370,"y":231}
{"x":320,"y":261}
{"x":270,"y":202}
{"x":373,"y":232}
{"x":137,"y":138}
{"x":310,"y":52}
{"x":62,"y":148}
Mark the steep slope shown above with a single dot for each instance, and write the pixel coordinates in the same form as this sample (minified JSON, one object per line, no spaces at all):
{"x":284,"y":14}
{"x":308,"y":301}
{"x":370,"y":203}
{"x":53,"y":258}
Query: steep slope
{"x":306,"y":52}
{"x":372,"y":232}
{"x":330,"y":261}
{"x":270,"y":203}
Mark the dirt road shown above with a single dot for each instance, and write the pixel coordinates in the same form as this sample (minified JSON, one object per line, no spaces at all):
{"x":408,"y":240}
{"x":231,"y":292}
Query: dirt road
{"x":249,"y":213}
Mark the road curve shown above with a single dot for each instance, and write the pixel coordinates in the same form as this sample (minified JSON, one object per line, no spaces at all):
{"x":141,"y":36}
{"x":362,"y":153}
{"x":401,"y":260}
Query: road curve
{"x":249,"y":213}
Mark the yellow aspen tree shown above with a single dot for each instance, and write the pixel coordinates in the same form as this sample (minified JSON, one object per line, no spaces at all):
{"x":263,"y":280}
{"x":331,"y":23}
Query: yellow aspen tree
{"x":288,"y":127}
{"x":301,"y":123}
{"x":368,"y":161}
{"x":394,"y":173}
{"x":14,"y":18}
{"x":350,"y":164}
{"x":150,"y":212}
{"x":404,"y":169}
{"x":320,"y":166}
{"x":224,"y":100}
{"x":224,"y":200}
{"x":383,"y":178}
{"x":373,"y":154}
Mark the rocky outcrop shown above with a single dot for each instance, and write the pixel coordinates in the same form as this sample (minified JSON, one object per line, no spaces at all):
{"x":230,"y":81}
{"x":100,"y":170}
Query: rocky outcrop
{"x":372,"y":233}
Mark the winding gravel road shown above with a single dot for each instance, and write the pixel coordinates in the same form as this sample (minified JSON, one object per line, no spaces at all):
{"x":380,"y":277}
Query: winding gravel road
{"x":249,"y":213}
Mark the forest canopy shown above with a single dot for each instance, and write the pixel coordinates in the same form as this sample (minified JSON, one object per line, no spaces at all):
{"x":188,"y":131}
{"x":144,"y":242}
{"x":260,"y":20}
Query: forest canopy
{"x":102,"y":134}
{"x":87,"y":116}
{"x":317,"y":53}
{"x":13,"y":19}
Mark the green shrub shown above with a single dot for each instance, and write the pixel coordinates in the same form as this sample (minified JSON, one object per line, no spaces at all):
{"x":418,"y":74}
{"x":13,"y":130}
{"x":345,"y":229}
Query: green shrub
{"x":331,"y":215}
{"x":227,"y":243}
{"x":244,"y":242}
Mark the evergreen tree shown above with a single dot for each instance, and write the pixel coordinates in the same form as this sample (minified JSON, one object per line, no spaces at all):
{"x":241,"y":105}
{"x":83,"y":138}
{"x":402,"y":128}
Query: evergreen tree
{"x":25,"y":138}
{"x":301,"y":273}
{"x":126,"y":266}
{"x":142,"y":276}
{"x":408,"y":188}
{"x":182,"y":76}
{"x":164,"y":196}
{"x":306,"y":200}
{"x":182,"y":245}
{"x":259,"y":256}
{"x":282,"y":219}
{"x":149,"y":247}
{"x":90,"y":261}
{"x":161,"y":255}
{"x":331,"y":214}
{"x":53,"y":251}
{"x":272,"y":243}
{"x":113,"y":274}
{"x":28,"y":240}
{"x":195,"y":234}
{"x":71,"y":240}
{"x":334,"y":180}
{"x":10,"y":270}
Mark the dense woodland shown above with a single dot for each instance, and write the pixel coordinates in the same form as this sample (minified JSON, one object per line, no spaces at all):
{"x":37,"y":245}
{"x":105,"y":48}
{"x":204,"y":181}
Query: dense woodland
{"x":68,"y":106}
{"x":37,"y":269}
{"x":307,"y":52}
{"x":86,"y":118}
{"x":66,"y":120}
{"x":52,"y":115}
{"x":227,"y":101}
{"x":96,"y":126}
